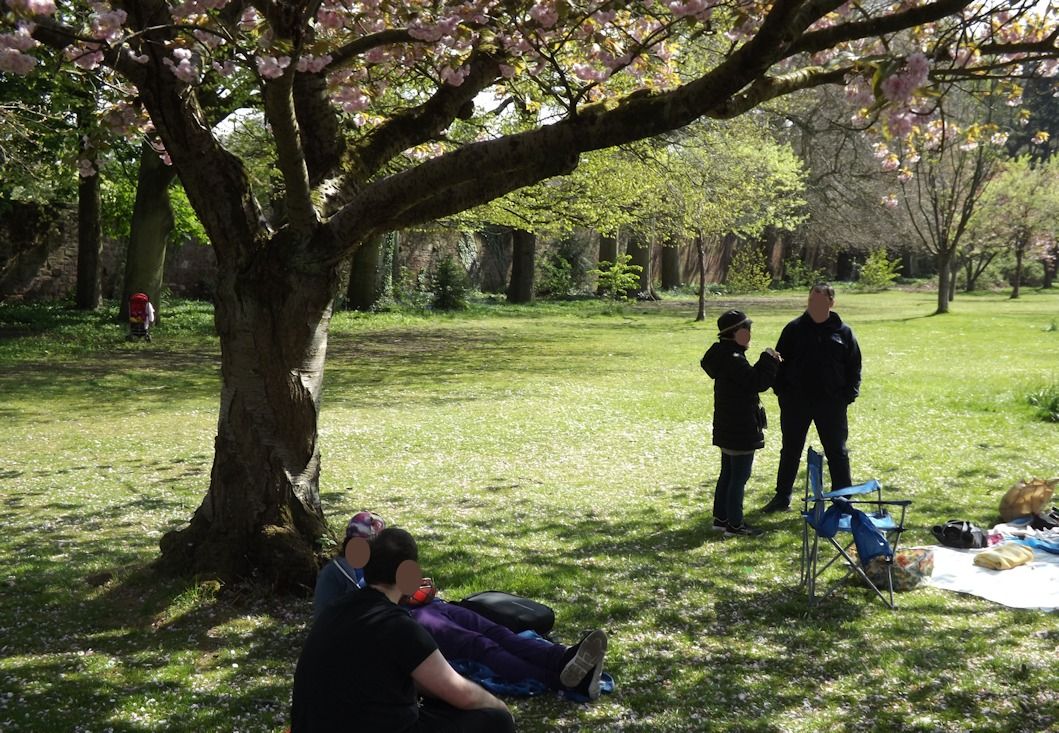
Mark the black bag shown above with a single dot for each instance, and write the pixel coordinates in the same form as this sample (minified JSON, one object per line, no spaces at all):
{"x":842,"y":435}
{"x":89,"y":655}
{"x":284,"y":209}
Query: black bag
{"x":960,"y":534}
{"x":514,"y":612}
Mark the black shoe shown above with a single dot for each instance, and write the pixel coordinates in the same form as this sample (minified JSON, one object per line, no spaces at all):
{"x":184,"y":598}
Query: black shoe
{"x":743,"y":530}
{"x":585,"y":665}
{"x":777,"y":504}
{"x":719,"y":525}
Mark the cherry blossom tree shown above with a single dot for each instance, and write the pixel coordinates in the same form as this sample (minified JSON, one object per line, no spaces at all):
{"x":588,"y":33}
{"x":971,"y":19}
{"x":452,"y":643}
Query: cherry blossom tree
{"x":369,"y":104}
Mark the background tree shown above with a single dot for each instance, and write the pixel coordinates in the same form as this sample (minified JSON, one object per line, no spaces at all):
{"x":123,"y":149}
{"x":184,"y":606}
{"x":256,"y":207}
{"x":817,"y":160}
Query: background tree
{"x":1019,"y":211}
{"x":359,"y":99}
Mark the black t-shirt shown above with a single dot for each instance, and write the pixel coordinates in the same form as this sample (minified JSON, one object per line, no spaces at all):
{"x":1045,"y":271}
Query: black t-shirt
{"x":354,"y":673}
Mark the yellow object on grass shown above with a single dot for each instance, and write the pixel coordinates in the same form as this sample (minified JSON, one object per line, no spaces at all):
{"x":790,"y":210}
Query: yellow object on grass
{"x":1004,"y":556}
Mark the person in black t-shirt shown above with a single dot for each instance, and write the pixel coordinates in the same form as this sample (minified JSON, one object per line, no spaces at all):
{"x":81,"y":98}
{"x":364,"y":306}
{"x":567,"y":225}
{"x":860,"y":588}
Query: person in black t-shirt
{"x":365,"y":659}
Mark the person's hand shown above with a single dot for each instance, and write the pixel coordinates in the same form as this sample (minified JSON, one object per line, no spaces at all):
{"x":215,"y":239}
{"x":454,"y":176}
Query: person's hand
{"x":773,"y":353}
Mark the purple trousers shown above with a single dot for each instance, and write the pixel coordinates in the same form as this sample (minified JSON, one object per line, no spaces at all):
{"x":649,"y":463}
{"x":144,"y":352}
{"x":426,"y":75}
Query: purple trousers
{"x":463,"y":634}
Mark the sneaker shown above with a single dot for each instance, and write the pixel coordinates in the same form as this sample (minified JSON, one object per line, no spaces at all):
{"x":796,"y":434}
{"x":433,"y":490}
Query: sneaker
{"x":777,"y":504}
{"x":586,"y":663}
{"x":743,"y":530}
{"x":719,"y":525}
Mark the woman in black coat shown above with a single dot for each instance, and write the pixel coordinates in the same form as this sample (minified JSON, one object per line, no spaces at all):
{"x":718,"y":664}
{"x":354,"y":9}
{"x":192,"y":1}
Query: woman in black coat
{"x":738,"y":417}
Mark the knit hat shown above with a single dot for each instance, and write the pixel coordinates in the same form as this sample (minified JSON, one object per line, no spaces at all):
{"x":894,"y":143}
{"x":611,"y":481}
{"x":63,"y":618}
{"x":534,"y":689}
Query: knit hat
{"x":364,"y":524}
{"x":730,"y":321}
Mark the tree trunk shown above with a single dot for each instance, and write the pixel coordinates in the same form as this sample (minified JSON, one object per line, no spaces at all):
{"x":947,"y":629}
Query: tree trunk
{"x":366,"y":276}
{"x":523,"y":260}
{"x":700,"y":247}
{"x":672,"y":276}
{"x":1050,"y":262}
{"x":608,"y":252}
{"x":261,"y":517}
{"x":152,"y":222}
{"x":640,"y":251}
{"x":1016,"y":282}
{"x":953,"y":268}
{"x":89,"y":238}
{"x":944,"y":275}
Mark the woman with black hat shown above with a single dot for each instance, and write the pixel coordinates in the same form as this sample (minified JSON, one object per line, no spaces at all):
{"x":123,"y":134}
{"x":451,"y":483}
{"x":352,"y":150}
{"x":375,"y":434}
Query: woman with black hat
{"x":738,"y":417}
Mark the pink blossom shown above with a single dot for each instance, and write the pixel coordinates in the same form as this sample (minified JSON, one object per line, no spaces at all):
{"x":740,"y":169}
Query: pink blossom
{"x":271,"y":67}
{"x":682,"y":8}
{"x":351,"y":100}
{"x":85,"y":169}
{"x":33,"y":7}
{"x":999,"y":138}
{"x":1040,"y":138}
{"x":87,"y":57}
{"x":588,"y":72}
{"x":880,"y":151}
{"x":184,"y":67}
{"x":545,"y":15}
{"x":506,"y":71}
{"x":313,"y":64}
{"x":105,"y":23}
{"x":890,"y":163}
{"x":454,"y":77}
{"x":858,"y":92}
{"x":249,"y":19}
{"x":900,"y":124}
{"x":889,"y":201}
{"x":16,"y":62}
{"x":904,"y":175}
{"x":968,"y":146}
{"x":226,"y":69}
{"x":330,"y":19}
{"x":428,"y":33}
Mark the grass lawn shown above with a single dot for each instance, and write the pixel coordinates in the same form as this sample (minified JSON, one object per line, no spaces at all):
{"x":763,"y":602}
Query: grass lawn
{"x":561,"y":452}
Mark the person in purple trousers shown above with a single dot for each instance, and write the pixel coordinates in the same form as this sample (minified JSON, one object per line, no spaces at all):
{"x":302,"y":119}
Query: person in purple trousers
{"x":462,"y":634}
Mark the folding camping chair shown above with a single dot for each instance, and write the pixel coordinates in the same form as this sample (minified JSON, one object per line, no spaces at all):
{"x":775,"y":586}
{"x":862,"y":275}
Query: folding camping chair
{"x":816,"y":548}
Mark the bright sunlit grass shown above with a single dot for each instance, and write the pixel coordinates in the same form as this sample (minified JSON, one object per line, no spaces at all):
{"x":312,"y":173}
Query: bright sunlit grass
{"x":560,"y":451}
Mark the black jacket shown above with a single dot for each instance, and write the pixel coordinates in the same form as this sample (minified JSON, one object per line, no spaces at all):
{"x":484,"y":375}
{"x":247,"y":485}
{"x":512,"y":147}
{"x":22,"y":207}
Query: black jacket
{"x":738,"y":417}
{"x":820,"y":360}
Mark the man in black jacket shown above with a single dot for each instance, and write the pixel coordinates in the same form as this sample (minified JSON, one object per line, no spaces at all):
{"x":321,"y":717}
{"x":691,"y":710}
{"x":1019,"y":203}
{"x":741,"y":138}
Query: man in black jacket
{"x":818,"y":379}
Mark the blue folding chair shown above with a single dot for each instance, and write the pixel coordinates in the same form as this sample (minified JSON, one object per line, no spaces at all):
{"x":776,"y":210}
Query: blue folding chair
{"x":868,"y":498}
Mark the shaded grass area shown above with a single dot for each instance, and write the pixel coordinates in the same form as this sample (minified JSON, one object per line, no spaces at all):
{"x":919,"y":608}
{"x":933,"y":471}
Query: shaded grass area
{"x":562,"y":452}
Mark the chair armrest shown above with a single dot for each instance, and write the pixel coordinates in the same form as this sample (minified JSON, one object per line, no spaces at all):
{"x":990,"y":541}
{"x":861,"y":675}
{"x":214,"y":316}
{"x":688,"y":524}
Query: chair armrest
{"x":864,"y":488}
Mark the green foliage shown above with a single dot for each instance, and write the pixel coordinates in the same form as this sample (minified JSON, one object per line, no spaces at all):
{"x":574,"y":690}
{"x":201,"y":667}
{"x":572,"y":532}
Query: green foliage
{"x":449,"y":285}
{"x":412,"y":290}
{"x":556,"y":277}
{"x":748,"y":272}
{"x":1045,"y":400}
{"x":617,"y":278}
{"x":878,"y":272}
{"x":798,"y":274}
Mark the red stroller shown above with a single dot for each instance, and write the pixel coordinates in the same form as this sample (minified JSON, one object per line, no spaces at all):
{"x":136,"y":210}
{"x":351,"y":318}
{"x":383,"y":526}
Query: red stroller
{"x":141,"y":316}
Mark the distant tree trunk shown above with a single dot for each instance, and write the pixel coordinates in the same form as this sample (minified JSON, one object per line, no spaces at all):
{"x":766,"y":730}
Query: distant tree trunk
{"x":1020,"y":250}
{"x":776,"y":248}
{"x":672,"y":277}
{"x":608,"y":252}
{"x":152,"y":222}
{"x":640,"y":251}
{"x":89,"y":237}
{"x":1050,"y":261}
{"x":366,"y":275}
{"x":523,"y":259}
{"x":395,"y":262}
{"x":496,"y":259}
{"x":700,"y":247}
{"x":954,"y":268}
{"x":943,"y":258}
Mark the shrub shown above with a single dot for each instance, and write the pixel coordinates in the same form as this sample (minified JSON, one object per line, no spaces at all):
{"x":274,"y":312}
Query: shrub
{"x":1046,"y":402}
{"x":878,"y":272}
{"x":617,"y":278}
{"x":748,"y":271}
{"x":557,"y":277}
{"x":449,"y":285}
{"x":797,"y":274}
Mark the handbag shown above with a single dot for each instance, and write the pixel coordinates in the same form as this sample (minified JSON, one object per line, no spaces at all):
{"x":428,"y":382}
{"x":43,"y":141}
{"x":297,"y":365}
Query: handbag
{"x":515,"y":612}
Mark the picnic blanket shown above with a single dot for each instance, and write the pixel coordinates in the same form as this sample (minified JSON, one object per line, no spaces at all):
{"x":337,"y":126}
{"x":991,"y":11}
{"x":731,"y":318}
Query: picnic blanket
{"x":1033,"y":585}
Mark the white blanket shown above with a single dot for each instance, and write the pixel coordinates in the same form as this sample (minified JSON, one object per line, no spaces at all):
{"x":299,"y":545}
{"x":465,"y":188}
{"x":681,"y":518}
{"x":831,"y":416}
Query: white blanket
{"x":1033,"y":585}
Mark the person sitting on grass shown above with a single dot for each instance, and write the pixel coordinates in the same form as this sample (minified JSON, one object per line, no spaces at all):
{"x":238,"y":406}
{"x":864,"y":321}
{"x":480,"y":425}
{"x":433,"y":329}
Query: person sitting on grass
{"x":462,"y":634}
{"x":365,"y":659}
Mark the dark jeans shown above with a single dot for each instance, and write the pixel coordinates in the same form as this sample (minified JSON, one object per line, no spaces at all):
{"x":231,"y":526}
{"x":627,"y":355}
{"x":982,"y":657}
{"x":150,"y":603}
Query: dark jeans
{"x":829,"y":416}
{"x":437,"y":717}
{"x":728,"y":496}
{"x":463,"y":634}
